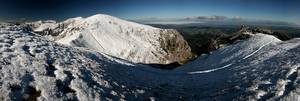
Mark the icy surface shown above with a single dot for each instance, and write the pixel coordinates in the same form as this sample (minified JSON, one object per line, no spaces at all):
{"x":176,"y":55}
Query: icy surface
{"x":32,"y":67}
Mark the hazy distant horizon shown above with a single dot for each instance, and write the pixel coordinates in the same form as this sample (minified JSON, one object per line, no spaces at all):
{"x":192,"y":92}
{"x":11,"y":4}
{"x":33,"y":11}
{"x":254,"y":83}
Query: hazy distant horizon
{"x":162,"y":10}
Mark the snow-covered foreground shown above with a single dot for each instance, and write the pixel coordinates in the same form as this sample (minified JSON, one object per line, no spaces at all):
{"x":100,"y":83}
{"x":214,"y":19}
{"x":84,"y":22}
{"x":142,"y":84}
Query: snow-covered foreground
{"x":258,"y":68}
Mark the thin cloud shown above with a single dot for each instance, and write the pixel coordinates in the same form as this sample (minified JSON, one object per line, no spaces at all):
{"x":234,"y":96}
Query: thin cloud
{"x":214,"y":18}
{"x":210,"y":19}
{"x":237,"y":18}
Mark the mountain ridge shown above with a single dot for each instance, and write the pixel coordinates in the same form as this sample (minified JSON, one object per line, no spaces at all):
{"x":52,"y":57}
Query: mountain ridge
{"x":127,"y":40}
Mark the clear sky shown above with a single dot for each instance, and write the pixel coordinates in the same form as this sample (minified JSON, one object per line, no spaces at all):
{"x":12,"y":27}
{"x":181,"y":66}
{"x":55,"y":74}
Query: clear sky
{"x":279,"y":10}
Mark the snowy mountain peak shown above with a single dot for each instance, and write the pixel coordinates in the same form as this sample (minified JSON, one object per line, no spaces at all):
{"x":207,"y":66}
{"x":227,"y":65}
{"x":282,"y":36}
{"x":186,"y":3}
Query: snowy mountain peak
{"x":113,"y":21}
{"x":123,"y":39}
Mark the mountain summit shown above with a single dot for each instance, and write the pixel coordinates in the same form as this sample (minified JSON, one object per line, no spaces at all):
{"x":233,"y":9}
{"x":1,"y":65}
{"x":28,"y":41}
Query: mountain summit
{"x":119,"y":38}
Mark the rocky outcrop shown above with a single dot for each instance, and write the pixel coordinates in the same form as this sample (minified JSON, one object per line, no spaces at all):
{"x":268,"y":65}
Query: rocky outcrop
{"x":175,"y":46}
{"x":51,"y":27}
{"x":281,"y":36}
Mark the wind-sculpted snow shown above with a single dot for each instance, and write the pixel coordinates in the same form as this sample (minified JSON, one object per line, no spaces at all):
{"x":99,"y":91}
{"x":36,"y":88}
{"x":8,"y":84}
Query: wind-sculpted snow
{"x":123,"y":39}
{"x":32,"y":67}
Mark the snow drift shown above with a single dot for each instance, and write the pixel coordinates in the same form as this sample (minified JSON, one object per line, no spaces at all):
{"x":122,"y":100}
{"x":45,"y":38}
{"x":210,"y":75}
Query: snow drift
{"x":123,"y":39}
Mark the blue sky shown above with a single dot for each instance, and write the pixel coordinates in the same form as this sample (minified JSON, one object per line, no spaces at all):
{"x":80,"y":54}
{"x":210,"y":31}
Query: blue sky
{"x":277,"y":10}
{"x":283,"y":10}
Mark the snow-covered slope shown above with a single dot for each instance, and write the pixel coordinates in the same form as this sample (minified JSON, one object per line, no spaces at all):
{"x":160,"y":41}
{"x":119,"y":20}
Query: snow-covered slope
{"x":32,"y":67}
{"x":123,"y":39}
{"x":232,"y":53}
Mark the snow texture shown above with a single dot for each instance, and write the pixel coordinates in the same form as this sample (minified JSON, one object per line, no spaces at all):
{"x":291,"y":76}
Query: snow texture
{"x":34,"y":68}
{"x":123,"y":39}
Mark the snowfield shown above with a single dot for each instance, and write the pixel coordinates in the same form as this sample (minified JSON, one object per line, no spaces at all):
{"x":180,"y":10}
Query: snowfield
{"x":32,"y":67}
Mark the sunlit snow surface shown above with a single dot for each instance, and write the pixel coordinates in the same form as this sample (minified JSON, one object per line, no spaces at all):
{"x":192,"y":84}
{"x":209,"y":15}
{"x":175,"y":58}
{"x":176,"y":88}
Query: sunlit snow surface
{"x":127,"y":40}
{"x":32,"y":67}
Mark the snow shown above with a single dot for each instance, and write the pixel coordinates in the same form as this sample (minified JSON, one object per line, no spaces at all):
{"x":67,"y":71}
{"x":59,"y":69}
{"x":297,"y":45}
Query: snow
{"x":123,"y":39}
{"x":251,"y":45}
{"x":257,"y":50}
{"x":33,"y":67}
{"x":42,"y":25}
{"x":211,"y":70}
{"x":233,"y":53}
